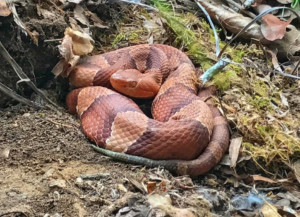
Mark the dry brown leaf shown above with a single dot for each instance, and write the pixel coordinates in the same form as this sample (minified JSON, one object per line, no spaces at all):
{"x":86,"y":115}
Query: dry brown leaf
{"x":74,"y":45}
{"x":151,"y":187}
{"x":290,"y":44}
{"x":234,"y":22}
{"x":4,"y":10}
{"x":65,"y":65}
{"x":164,"y":203}
{"x":138,"y":185}
{"x":231,"y":20}
{"x":269,"y":210}
{"x":79,"y":15}
{"x":274,"y":60}
{"x":273,"y":28}
{"x":45,"y":13}
{"x":82,"y":42}
{"x":234,"y":150}
{"x":97,"y":22}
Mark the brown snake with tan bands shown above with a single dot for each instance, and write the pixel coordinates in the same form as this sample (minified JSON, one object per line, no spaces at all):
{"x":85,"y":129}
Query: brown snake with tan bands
{"x":188,"y":134}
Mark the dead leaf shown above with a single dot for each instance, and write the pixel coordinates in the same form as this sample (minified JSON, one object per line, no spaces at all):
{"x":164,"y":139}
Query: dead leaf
{"x":82,"y":42}
{"x":290,"y":44}
{"x":97,"y":22}
{"x":274,"y":60}
{"x":79,"y":15}
{"x":163,"y":186}
{"x":284,"y":100}
{"x":164,"y":203}
{"x":138,"y":185}
{"x":74,"y":45}
{"x":4,"y":10}
{"x":65,"y":65}
{"x":151,"y":187}
{"x":269,"y":210}
{"x":234,"y":22}
{"x":231,"y":20}
{"x":234,"y":150}
{"x":45,"y":13}
{"x":273,"y":28}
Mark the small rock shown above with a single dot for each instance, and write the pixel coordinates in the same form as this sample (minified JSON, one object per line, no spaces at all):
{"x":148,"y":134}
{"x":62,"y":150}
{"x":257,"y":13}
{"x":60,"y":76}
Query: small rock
{"x":55,"y":215}
{"x":60,"y":183}
{"x":26,"y":114}
{"x":14,"y":125}
{"x":6,"y":152}
{"x":283,"y":202}
{"x":122,"y":188}
{"x":79,"y":180}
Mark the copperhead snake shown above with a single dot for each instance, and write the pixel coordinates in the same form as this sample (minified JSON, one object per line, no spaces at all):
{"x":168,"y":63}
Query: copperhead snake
{"x":187,"y":135}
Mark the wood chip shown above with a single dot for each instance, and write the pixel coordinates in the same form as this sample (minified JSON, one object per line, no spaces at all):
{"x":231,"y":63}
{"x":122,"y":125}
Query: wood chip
{"x":234,"y":150}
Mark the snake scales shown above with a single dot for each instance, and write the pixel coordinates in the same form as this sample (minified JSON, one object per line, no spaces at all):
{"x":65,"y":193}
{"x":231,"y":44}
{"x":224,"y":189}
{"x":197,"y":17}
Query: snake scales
{"x":187,"y":135}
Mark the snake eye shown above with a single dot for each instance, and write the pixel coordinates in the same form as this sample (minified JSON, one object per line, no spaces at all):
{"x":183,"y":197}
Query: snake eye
{"x":132,"y":84}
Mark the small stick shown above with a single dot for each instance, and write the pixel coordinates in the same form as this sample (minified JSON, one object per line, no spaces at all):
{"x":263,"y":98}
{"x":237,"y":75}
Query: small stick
{"x":17,"y":97}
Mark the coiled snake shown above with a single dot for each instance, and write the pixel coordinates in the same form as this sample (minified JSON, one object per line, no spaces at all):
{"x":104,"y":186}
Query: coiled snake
{"x":187,"y":135}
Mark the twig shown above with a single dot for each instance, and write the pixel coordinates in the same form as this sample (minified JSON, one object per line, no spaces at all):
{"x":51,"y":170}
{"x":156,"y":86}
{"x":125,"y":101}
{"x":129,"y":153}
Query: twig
{"x":295,"y":69}
{"x":61,"y":124}
{"x":116,"y":205}
{"x":212,"y":26}
{"x":22,"y":75}
{"x":51,"y":40}
{"x":214,"y":69}
{"x":17,"y":97}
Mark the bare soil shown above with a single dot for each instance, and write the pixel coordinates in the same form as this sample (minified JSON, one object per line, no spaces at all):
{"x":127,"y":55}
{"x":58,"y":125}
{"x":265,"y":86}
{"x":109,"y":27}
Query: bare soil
{"x":45,"y":159}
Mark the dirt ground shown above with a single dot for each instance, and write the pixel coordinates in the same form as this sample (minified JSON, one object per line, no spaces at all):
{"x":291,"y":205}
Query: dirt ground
{"x":48,"y":169}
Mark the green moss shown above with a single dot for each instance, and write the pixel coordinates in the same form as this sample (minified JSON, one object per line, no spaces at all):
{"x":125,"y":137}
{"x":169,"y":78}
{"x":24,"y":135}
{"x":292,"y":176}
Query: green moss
{"x":262,"y":103}
{"x":261,"y":88}
{"x":118,"y":38}
{"x":185,"y":35}
{"x":223,"y":80}
{"x":134,"y":35}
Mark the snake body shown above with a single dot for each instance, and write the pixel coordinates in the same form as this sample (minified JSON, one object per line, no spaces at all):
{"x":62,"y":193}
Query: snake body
{"x":187,"y":135}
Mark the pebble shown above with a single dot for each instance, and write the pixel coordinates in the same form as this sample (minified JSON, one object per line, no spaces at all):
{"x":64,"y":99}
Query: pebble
{"x":60,"y":183}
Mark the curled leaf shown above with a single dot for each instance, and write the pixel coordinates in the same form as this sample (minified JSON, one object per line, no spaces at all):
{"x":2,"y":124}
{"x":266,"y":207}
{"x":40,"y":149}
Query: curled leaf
{"x":273,"y":28}
{"x":82,"y":42}
{"x":74,"y":45}
{"x":68,"y":61}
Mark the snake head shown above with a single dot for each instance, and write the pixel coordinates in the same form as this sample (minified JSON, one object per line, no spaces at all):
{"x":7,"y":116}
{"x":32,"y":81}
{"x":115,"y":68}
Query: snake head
{"x":132,"y":82}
